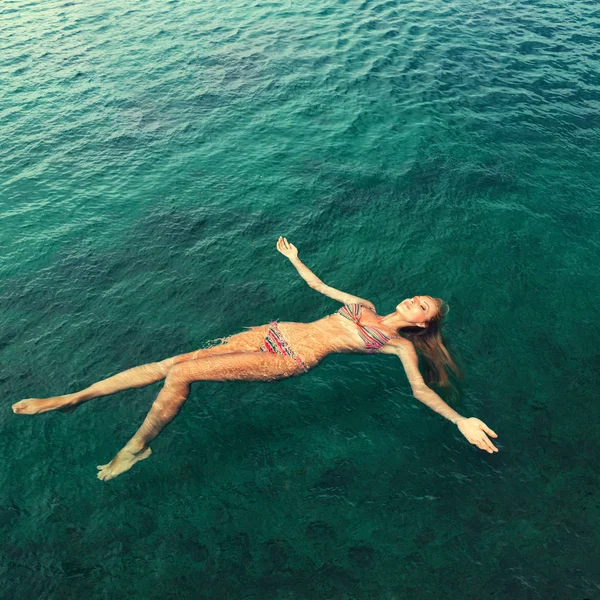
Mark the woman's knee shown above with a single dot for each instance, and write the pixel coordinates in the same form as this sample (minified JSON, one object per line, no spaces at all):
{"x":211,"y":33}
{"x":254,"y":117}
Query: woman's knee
{"x":170,"y":366}
{"x":177,"y":375}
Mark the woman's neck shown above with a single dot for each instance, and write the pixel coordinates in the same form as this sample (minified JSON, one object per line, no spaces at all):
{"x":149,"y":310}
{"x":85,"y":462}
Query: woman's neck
{"x":395,"y":321}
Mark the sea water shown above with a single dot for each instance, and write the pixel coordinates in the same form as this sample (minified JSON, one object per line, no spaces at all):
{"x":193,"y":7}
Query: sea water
{"x":151,"y":153}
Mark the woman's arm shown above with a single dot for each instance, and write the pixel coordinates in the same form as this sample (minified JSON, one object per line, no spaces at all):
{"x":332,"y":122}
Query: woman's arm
{"x":473,"y":429}
{"x":291,"y":252}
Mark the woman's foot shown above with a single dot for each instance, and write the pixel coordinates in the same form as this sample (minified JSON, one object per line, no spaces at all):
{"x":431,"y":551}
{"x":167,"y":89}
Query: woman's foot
{"x":35,"y":406}
{"x":122,"y":462}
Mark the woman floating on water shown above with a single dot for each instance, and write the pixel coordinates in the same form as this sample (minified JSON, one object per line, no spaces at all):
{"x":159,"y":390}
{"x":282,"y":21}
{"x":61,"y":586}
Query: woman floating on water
{"x":281,"y":350}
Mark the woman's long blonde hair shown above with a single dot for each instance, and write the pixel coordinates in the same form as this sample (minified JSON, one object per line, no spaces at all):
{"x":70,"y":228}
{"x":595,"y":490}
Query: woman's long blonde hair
{"x":430,"y":343}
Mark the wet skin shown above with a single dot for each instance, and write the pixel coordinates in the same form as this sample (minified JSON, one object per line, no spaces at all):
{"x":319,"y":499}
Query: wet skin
{"x":239,"y":358}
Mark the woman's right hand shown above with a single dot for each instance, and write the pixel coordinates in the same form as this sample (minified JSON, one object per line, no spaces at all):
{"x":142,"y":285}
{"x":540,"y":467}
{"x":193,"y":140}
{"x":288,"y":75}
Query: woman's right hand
{"x":286,"y":248}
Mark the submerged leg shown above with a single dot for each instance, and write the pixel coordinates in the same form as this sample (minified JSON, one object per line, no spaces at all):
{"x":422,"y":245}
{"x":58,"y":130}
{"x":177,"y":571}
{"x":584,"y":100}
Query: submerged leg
{"x":256,"y":366}
{"x":137,"y":376}
{"x":132,"y":378}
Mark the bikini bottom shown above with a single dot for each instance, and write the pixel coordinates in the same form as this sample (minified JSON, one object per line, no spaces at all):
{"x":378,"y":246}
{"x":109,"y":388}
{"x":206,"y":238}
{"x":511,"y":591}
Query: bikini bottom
{"x":275,"y":343}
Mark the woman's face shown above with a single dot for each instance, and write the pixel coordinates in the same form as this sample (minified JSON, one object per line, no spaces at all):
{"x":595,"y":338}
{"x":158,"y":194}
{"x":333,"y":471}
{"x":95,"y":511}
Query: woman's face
{"x":418,"y":309}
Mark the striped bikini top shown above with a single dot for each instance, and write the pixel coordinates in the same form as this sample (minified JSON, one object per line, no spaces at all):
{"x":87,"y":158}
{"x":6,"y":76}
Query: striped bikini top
{"x":373,"y":337}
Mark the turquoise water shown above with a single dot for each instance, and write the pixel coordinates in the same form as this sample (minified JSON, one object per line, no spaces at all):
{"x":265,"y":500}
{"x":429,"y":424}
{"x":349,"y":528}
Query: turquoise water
{"x":151,"y":154}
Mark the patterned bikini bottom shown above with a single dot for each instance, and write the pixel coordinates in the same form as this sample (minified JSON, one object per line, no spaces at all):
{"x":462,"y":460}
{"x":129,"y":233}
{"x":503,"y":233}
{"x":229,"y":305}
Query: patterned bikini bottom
{"x":275,"y":343}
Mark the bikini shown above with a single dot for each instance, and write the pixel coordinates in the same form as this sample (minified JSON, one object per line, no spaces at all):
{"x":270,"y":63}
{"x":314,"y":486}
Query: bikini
{"x":372,"y":336}
{"x":275,"y":343}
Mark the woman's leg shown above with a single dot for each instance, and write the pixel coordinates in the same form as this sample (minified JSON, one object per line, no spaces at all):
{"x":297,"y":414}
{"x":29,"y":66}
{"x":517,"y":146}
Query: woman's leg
{"x":256,"y":366}
{"x":132,"y":378}
{"x":138,"y":376}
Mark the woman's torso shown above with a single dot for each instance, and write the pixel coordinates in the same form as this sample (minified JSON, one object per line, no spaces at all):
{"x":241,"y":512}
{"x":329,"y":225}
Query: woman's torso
{"x":332,"y":334}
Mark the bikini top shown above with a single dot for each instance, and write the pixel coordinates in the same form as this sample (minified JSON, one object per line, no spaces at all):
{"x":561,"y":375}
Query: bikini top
{"x":373,"y":337}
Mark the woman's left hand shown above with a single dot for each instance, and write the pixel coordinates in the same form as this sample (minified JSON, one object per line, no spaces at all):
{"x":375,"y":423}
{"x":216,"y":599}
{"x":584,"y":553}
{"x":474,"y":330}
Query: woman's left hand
{"x":475,"y":431}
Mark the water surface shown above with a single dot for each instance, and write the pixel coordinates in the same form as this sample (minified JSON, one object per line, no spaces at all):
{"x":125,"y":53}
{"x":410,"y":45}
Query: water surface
{"x":151,"y":154}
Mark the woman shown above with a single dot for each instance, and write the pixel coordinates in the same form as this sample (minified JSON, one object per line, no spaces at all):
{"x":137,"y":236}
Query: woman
{"x":280,"y":350}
